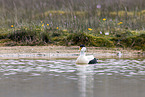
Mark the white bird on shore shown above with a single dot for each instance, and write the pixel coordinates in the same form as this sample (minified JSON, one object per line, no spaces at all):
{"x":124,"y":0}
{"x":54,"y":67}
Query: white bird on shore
{"x":83,"y":59}
{"x":119,"y":54}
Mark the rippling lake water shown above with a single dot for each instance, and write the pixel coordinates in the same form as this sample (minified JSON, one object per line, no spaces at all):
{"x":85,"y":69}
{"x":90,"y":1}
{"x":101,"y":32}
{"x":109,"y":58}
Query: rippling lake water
{"x":64,"y":78}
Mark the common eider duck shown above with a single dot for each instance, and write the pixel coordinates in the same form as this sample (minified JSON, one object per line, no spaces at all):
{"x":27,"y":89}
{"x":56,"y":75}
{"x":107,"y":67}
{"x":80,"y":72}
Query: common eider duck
{"x":83,"y":59}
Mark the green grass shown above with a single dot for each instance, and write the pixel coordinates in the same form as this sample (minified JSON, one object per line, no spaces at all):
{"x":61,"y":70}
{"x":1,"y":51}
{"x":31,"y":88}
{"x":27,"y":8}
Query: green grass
{"x":46,"y":35}
{"x":72,"y":22}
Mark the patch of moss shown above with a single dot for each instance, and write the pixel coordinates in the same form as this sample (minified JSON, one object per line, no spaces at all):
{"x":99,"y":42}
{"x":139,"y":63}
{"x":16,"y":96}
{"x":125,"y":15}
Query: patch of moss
{"x":22,"y":35}
{"x":89,"y":40}
{"x":29,"y":37}
{"x":3,"y":35}
{"x":134,"y":42}
{"x":4,"y":40}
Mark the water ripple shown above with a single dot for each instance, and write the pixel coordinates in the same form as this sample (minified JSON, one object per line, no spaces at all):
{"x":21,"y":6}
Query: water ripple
{"x":126,"y":67}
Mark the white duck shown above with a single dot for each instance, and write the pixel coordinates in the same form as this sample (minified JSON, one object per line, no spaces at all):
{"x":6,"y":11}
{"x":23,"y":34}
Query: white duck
{"x":83,"y":59}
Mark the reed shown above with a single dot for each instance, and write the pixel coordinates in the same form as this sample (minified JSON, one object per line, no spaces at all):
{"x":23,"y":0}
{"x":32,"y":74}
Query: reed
{"x":76,"y":14}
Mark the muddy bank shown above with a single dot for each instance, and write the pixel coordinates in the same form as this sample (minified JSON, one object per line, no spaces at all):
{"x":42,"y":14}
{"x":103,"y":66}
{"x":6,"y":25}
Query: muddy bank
{"x":50,"y":52}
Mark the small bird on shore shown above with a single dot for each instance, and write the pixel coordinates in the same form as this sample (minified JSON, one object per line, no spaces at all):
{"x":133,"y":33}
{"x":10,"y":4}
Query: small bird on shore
{"x":83,"y":59}
{"x":119,"y":54}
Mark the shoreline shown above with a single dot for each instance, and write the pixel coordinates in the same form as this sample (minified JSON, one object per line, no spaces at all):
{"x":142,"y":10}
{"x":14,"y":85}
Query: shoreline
{"x":54,"y":52}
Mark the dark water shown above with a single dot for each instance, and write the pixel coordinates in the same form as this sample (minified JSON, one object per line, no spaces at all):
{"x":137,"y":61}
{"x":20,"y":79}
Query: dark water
{"x":63,"y":78}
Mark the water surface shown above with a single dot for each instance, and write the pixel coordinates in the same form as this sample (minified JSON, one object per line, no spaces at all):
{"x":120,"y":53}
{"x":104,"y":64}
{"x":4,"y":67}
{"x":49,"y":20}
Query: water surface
{"x":63,"y":78}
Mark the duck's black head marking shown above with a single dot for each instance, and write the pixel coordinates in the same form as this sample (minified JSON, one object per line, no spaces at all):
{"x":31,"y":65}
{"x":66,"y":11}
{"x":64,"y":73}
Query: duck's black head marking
{"x":82,"y":45}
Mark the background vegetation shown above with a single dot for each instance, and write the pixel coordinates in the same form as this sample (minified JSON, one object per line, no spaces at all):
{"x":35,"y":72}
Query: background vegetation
{"x":103,"y":23}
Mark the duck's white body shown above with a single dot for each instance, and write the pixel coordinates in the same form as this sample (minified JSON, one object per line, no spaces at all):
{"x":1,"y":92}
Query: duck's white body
{"x":83,"y":59}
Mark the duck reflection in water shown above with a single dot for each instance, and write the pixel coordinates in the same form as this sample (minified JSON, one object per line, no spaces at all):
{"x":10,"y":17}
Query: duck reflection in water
{"x":85,"y":80}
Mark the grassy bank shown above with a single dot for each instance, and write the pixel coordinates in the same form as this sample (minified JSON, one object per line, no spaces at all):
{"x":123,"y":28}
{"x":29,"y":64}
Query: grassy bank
{"x":100,"y":23}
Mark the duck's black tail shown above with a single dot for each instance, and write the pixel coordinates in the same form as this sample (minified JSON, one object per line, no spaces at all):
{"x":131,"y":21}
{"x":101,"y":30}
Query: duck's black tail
{"x":93,"y":61}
